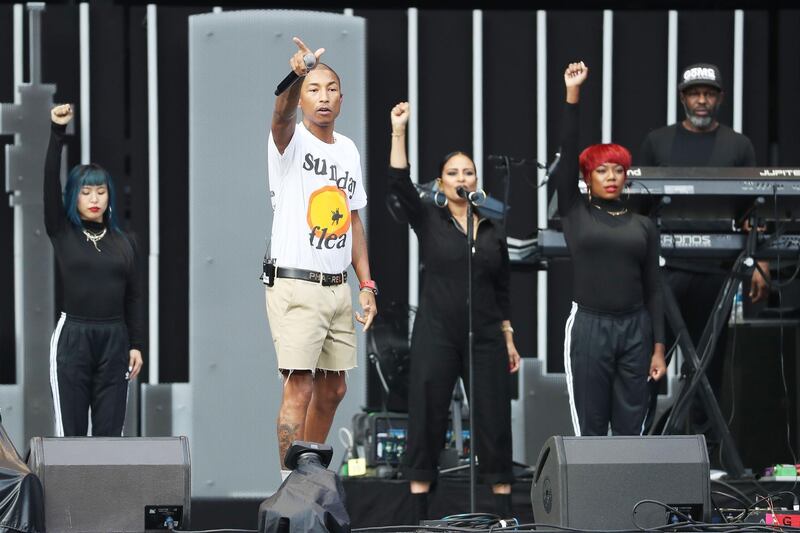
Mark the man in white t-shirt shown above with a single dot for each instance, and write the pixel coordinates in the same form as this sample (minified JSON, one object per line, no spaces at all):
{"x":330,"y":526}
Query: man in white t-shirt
{"x":316,"y":189}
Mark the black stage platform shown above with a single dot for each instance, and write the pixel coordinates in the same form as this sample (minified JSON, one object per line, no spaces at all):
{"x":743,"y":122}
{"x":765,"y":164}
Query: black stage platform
{"x":386,"y":502}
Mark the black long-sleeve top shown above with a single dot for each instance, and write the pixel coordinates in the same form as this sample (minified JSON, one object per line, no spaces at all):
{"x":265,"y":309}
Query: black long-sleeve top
{"x":96,"y":284}
{"x":614,"y":258}
{"x":443,"y":253}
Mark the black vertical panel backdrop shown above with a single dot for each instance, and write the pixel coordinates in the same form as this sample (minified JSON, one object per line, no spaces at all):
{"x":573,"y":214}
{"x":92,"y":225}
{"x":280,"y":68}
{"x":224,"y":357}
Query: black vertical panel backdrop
{"x":571,"y":36}
{"x":639,"y":77}
{"x":137,"y":193}
{"x":61,"y":66}
{"x":755,"y":87}
{"x":387,"y":84}
{"x":707,"y":37}
{"x":119,"y":122}
{"x":173,"y":107}
{"x":445,"y":88}
{"x":509,"y":128}
{"x":787,"y":76}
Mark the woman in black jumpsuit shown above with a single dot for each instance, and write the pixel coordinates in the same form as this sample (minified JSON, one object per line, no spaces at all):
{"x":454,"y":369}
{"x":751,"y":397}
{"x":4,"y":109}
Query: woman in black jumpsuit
{"x":439,"y":341}
{"x":614,"y":338}
{"x":96,"y":346}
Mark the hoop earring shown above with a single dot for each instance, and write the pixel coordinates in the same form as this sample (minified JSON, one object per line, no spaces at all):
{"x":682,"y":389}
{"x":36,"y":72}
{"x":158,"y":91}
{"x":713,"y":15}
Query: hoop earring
{"x":437,"y":201}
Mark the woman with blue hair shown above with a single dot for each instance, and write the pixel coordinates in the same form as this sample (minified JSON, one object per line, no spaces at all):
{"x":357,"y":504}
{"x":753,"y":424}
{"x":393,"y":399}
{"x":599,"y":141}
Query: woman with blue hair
{"x":96,"y":346}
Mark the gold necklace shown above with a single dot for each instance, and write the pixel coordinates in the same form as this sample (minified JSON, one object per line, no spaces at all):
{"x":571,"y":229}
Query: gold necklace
{"x":94,"y":237}
{"x":612,"y":213}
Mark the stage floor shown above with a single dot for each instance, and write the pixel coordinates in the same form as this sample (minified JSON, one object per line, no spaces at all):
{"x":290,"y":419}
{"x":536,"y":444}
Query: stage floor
{"x":370,"y":502}
{"x":386,"y":502}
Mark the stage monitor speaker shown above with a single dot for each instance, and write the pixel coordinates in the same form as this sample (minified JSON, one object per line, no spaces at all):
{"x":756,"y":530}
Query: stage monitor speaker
{"x":595,"y":482}
{"x":119,"y":484}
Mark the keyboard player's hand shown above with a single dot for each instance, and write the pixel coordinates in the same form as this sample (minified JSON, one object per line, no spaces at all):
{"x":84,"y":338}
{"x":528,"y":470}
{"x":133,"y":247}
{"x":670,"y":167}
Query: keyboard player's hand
{"x":759,"y":285}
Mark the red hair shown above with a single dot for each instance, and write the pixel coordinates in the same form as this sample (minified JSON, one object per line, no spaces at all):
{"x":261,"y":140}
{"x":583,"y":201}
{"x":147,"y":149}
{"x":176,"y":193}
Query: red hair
{"x":597,"y":154}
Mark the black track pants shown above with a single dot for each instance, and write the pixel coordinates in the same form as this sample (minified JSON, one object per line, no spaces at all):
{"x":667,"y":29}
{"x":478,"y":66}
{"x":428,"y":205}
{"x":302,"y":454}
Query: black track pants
{"x":438,"y":358}
{"x":607,"y":361}
{"x":89,"y":368}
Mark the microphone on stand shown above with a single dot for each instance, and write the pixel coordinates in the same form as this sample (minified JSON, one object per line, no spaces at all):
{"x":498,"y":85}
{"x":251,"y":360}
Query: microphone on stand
{"x":502,"y":161}
{"x":473,"y":197}
{"x":554,"y":164}
{"x":310,"y":60}
{"x":550,"y":169}
{"x":498,"y":160}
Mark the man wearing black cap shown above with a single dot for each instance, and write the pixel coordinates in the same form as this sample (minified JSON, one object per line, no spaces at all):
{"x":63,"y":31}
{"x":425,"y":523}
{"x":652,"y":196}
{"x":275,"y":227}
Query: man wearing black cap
{"x":699,"y":140}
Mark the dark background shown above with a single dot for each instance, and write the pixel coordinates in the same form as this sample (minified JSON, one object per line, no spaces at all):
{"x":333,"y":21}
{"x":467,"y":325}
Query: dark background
{"x":119,"y":118}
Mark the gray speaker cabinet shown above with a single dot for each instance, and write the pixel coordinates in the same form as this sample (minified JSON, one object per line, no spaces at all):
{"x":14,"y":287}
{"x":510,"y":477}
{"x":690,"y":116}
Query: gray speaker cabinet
{"x":541,"y":410}
{"x":112,"y":484}
{"x":595,"y":482}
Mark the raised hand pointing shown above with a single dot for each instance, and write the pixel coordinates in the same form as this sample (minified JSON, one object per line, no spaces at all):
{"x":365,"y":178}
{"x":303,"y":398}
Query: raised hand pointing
{"x":304,"y":59}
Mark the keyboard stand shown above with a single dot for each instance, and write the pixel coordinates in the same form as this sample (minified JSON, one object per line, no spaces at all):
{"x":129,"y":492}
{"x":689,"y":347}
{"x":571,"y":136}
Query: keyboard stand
{"x":696,"y":381}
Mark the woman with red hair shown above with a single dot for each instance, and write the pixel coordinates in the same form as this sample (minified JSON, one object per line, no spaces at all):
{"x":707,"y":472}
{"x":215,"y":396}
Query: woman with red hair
{"x":614,"y":337}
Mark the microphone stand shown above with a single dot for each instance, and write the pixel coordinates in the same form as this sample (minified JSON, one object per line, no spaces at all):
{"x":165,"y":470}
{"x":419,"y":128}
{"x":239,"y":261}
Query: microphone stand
{"x":505,"y":163}
{"x":471,"y":371}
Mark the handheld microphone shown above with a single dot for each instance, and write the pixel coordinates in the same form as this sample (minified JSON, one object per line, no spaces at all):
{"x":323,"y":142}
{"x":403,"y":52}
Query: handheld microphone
{"x":310,"y":60}
{"x":474,"y":197}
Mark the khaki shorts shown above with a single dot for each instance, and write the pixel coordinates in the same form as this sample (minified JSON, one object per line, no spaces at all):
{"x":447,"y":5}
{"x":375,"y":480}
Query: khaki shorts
{"x":312,"y":325}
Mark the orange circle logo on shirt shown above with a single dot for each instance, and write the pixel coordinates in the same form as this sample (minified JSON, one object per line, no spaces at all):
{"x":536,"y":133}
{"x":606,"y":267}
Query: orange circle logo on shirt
{"x":328,"y":210}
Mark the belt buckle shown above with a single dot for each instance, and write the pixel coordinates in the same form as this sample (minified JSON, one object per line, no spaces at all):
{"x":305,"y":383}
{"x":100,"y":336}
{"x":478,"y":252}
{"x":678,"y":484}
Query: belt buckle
{"x":331,"y":279}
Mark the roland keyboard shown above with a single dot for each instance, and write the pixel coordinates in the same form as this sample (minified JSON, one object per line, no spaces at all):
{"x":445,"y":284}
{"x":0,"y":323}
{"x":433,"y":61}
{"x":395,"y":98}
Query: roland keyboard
{"x":708,"y":199}
{"x":713,"y":181}
{"x":551,"y":244}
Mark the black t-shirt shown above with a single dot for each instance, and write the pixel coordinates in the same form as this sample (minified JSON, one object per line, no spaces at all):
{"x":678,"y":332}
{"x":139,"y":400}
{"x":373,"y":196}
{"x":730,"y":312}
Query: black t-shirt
{"x":97,"y":284}
{"x":675,"y":146}
{"x":614,"y":258}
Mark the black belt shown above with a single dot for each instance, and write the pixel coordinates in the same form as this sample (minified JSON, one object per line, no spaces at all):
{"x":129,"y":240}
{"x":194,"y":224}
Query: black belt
{"x":310,"y":275}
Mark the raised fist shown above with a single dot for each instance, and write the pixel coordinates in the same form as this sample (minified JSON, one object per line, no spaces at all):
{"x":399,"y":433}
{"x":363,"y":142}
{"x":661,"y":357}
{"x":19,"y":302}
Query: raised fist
{"x":575,"y":74}
{"x":61,"y":114}
{"x":399,"y":116}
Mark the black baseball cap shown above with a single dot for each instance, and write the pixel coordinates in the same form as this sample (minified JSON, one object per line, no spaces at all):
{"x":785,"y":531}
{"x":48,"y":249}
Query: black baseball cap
{"x":700,"y":74}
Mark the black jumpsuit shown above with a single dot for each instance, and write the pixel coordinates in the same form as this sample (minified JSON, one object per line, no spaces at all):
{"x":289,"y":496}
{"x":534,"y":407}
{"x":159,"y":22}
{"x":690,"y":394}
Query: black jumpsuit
{"x":439,"y":340}
{"x":617,"y":313}
{"x":101,"y":319}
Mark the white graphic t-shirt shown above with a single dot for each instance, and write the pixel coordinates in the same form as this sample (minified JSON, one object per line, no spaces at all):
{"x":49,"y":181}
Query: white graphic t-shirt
{"x":313,"y":187}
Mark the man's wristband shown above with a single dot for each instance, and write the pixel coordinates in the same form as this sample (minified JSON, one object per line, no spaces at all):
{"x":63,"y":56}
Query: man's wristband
{"x":369,"y":285}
